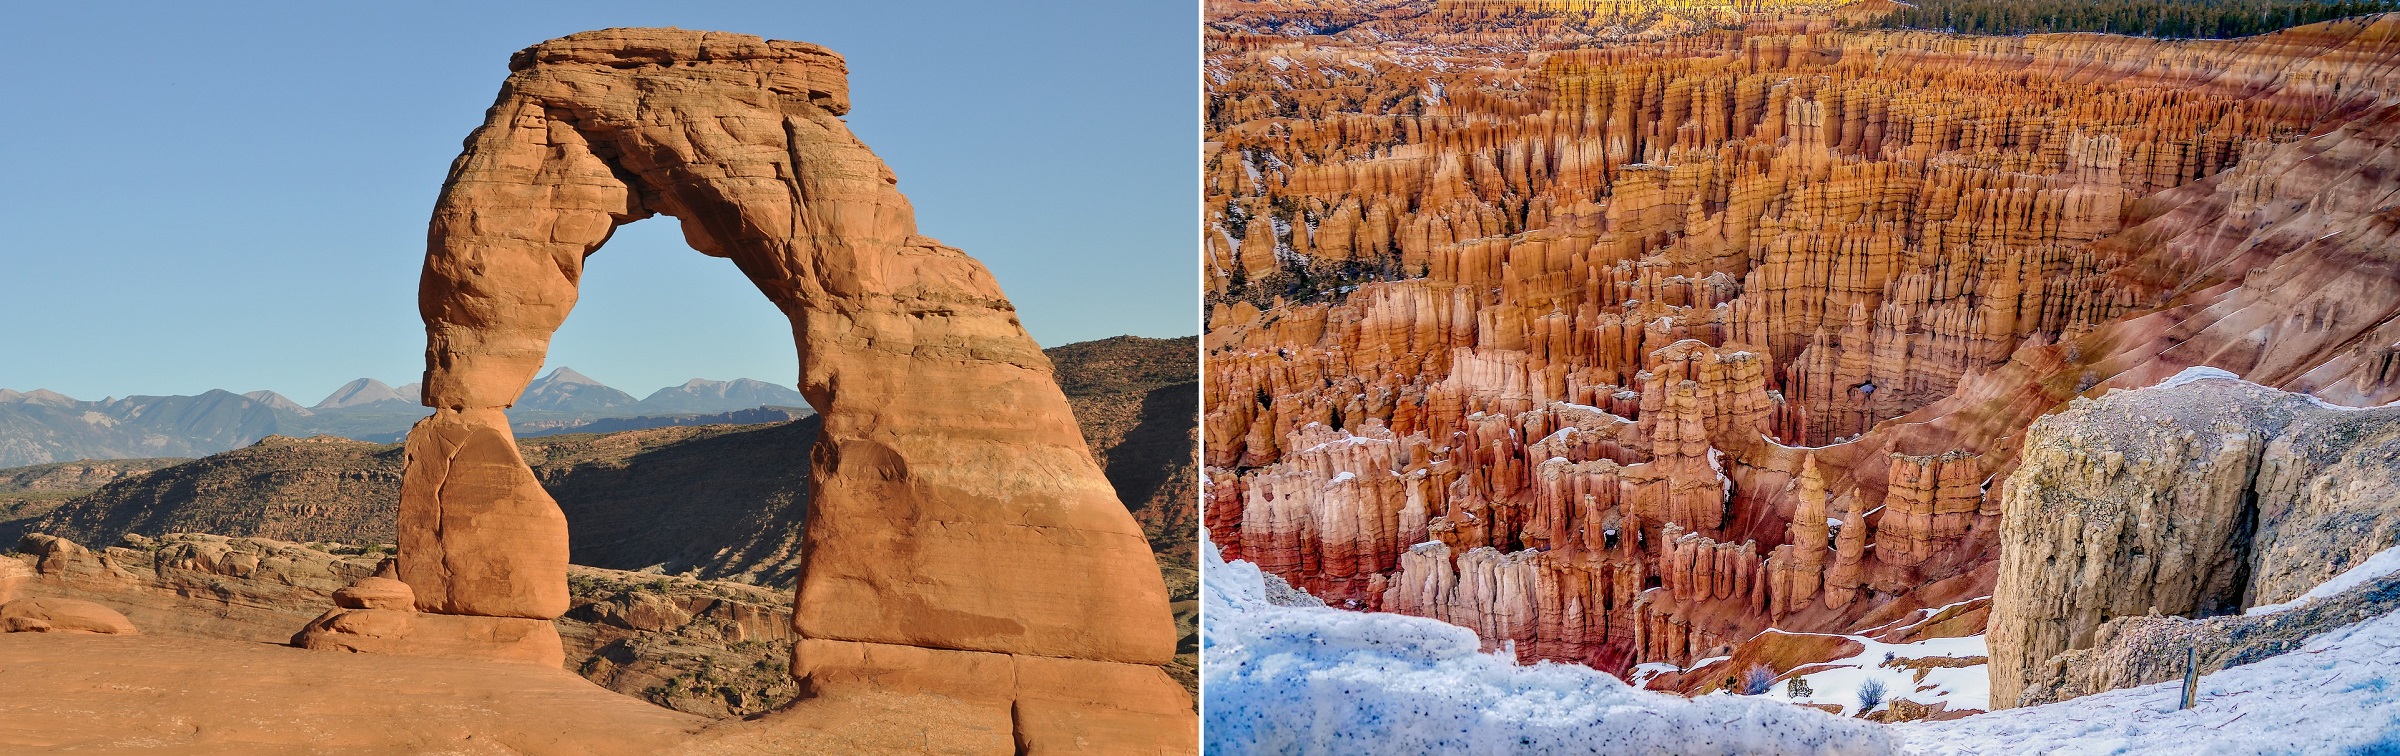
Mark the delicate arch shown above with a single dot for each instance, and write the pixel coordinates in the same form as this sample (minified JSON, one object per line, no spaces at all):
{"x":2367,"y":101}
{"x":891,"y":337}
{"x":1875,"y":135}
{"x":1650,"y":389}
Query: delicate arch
{"x":953,"y":504}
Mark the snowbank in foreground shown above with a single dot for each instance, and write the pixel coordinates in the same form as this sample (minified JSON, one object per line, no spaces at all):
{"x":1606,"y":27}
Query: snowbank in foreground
{"x":1306,"y":680}
{"x":2339,"y":694}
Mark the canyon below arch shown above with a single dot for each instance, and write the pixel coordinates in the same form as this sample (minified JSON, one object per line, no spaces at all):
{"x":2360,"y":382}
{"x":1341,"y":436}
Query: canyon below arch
{"x":1672,"y":340}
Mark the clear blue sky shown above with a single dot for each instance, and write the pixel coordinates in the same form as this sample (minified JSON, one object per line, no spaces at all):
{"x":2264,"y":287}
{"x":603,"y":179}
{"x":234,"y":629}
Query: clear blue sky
{"x":222,"y":195}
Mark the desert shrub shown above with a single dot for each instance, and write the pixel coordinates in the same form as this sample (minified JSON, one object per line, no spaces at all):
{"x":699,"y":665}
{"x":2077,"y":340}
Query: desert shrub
{"x":1870,"y":695}
{"x":1758,"y":680}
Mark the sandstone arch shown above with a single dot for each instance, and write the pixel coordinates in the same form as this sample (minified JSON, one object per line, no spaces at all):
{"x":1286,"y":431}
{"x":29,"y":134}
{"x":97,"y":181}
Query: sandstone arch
{"x":960,"y":542}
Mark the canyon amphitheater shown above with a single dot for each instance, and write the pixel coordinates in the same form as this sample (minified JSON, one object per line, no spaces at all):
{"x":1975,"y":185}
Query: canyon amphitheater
{"x":1676,"y":349}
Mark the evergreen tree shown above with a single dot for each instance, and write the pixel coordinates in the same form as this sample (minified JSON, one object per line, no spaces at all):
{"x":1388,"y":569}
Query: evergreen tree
{"x":2172,"y":19}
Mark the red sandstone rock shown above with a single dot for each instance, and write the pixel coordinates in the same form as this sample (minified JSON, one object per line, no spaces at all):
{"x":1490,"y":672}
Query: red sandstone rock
{"x":376,"y":593}
{"x":404,"y":632}
{"x":478,"y":535}
{"x":62,"y":615}
{"x":13,"y":576}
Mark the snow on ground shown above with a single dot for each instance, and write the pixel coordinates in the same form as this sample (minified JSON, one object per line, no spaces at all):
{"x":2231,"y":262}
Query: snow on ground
{"x":1279,"y":679}
{"x":2339,"y":694}
{"x":2204,"y":372}
{"x":2383,"y":563}
{"x":1644,"y":672}
{"x":2197,"y":372}
{"x":1837,"y":681}
{"x":1307,"y":680}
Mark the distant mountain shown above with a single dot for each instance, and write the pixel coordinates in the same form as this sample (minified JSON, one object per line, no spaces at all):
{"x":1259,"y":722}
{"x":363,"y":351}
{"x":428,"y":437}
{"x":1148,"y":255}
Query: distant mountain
{"x":278,"y":402}
{"x":44,"y":426}
{"x":565,"y":390}
{"x":701,"y":396}
{"x":40,"y":426}
{"x":364,"y":392}
{"x":752,"y":416}
{"x":36,"y":396}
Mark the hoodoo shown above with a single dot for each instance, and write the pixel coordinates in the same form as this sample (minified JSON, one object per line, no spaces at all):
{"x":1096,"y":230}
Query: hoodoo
{"x":963,"y":552}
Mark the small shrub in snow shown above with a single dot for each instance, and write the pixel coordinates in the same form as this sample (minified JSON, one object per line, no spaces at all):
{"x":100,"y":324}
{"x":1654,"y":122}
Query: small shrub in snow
{"x":1870,"y":695}
{"x":1758,"y":680}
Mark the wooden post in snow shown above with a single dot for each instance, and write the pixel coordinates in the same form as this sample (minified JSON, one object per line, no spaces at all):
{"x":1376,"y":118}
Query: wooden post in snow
{"x":2191,"y":677}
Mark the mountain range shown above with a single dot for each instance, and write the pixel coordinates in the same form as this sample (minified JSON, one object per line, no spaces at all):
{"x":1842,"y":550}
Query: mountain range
{"x":42,"y":426}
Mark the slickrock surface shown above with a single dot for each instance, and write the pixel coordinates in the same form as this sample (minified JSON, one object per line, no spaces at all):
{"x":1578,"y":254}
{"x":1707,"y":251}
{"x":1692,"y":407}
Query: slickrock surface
{"x":119,"y":694}
{"x":709,"y":648}
{"x":247,"y":589}
{"x":712,"y":648}
{"x":954,"y":510}
{"x":2200,"y":499}
{"x":1622,"y":353}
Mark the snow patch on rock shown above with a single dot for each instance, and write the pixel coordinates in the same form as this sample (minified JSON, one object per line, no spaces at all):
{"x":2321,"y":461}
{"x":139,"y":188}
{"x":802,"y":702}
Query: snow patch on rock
{"x":2383,"y":563}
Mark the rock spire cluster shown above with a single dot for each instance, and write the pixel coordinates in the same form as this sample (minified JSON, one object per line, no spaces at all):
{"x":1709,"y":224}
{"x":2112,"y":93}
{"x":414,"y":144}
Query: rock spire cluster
{"x":1625,"y":354}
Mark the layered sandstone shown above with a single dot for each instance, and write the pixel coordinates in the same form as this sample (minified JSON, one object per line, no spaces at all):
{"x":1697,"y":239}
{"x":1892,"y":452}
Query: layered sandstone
{"x":1624,"y":353}
{"x":954,"y":511}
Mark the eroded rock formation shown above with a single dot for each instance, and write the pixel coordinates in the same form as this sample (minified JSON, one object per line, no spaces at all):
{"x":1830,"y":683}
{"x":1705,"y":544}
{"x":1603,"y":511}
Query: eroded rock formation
{"x":62,"y":615}
{"x":2139,"y":650}
{"x":1624,"y":352}
{"x":956,"y":520}
{"x":2196,"y":500}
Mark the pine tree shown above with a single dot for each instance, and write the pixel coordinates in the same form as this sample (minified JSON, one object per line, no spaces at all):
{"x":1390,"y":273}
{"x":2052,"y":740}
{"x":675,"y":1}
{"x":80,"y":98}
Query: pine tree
{"x":2174,"y":19}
